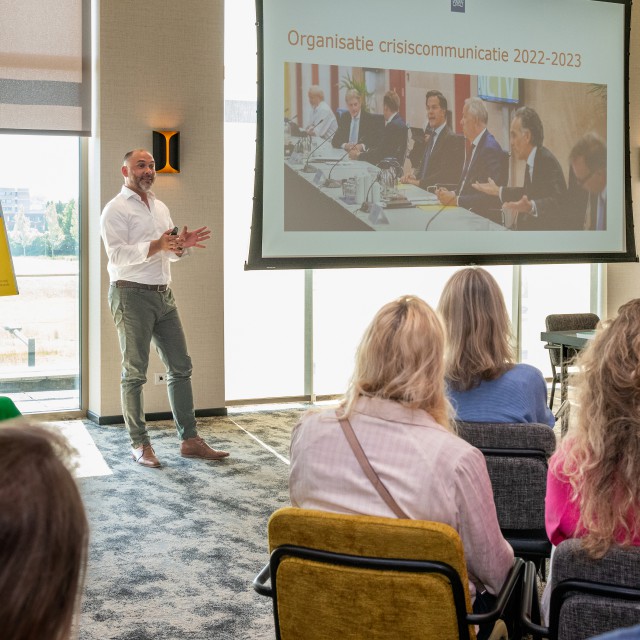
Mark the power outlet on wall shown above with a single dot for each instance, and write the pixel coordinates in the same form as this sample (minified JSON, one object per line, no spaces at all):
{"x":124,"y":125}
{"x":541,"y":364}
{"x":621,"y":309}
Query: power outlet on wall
{"x":160,"y":378}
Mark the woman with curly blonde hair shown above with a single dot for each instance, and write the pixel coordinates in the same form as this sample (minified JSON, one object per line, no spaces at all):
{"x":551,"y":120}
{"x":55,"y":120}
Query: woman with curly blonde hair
{"x":398,"y":410}
{"x":484,"y":382}
{"x":593,"y":484}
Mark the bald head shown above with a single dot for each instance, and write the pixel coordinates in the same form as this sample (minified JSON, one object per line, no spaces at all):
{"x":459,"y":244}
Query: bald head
{"x":139,"y":170}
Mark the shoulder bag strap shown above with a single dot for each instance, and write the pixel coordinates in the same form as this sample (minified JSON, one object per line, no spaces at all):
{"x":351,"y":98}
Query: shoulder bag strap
{"x":369,"y":471}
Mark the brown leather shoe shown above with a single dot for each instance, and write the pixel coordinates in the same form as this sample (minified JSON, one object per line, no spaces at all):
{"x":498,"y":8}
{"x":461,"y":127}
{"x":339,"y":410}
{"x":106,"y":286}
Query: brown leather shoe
{"x":145,"y":455}
{"x":197,"y":448}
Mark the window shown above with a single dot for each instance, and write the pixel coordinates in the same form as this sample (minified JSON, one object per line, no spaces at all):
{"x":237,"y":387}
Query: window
{"x":40,"y":327}
{"x":275,"y":320}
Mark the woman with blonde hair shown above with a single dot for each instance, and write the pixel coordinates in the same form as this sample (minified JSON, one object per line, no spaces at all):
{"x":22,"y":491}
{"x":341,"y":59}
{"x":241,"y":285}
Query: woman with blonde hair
{"x":484,"y":382}
{"x":43,"y":534}
{"x":398,"y":410}
{"x":593,"y":483}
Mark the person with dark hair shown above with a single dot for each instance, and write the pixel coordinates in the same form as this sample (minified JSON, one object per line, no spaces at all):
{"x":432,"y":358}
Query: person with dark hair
{"x":484,"y":382}
{"x":437,"y":159}
{"x":588,"y":160}
{"x":141,"y":243}
{"x":43,"y":534}
{"x":397,"y":407}
{"x":485,"y":160}
{"x":393,"y":141}
{"x":536,"y":205}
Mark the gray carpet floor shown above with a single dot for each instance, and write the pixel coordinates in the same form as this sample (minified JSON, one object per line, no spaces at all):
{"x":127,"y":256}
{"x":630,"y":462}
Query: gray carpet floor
{"x":173,"y":550}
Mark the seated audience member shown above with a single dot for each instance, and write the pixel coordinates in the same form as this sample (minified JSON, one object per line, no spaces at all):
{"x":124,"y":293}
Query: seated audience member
{"x":438,"y":159}
{"x":593,"y":483}
{"x":8,"y":409}
{"x":393,"y":143}
{"x":485,"y":159}
{"x":43,"y":534}
{"x":484,"y":382}
{"x":536,"y":205}
{"x":398,"y":409}
{"x":323,"y":121}
{"x":358,"y":129}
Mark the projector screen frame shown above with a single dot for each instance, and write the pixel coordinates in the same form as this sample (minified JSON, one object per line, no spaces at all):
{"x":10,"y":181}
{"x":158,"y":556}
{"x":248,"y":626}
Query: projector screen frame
{"x":256,"y":260}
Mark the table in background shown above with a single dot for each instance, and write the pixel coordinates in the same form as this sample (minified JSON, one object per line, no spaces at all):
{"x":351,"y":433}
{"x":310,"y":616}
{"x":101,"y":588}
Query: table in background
{"x":566,"y":340}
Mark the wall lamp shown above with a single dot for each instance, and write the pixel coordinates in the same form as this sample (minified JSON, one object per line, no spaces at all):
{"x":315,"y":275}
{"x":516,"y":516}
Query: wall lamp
{"x":166,"y":151}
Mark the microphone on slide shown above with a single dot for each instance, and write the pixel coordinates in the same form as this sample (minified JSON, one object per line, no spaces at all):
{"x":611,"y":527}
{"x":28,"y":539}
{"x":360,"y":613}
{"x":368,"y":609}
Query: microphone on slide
{"x":366,"y":205}
{"x":382,"y":165}
{"x":436,"y":214}
{"x":313,"y":125}
{"x":334,"y":184}
{"x":440,"y":210}
{"x":307,"y":168}
{"x":294,"y":128}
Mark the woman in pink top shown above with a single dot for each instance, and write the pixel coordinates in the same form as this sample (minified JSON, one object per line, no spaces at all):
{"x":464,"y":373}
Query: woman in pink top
{"x":593,"y":484}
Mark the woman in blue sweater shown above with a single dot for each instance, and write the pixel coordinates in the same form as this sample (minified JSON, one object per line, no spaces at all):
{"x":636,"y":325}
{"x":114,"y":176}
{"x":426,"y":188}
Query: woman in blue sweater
{"x":484,"y":382}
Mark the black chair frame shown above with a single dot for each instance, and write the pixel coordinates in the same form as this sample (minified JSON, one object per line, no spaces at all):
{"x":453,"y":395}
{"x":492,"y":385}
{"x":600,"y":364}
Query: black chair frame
{"x":560,"y":362}
{"x":555,"y":374}
{"x":464,"y":619}
{"x":562,"y":591}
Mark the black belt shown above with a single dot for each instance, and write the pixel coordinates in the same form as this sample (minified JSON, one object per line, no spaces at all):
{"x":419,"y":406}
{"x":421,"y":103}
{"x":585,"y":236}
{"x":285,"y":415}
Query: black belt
{"x":126,"y":284}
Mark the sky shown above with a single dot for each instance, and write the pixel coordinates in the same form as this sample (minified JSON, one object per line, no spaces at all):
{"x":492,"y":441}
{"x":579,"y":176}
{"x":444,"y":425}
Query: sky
{"x":47,"y":165}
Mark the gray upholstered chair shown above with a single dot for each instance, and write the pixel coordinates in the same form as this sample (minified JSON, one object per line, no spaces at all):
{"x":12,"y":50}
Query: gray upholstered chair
{"x":588,"y":596}
{"x":516,"y":456}
{"x":565,"y":322}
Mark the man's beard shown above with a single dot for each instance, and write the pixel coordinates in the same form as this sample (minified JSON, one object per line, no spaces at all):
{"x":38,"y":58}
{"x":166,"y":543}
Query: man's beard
{"x":144,"y":184}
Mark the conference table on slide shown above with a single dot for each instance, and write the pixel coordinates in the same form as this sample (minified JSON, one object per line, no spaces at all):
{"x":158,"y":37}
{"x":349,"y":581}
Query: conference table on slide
{"x":311,"y":205}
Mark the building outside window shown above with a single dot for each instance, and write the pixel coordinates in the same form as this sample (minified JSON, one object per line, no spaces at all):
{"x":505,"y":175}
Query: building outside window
{"x":40,"y":328}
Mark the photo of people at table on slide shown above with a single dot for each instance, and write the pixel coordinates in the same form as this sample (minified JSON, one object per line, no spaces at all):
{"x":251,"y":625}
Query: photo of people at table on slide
{"x":392,"y":150}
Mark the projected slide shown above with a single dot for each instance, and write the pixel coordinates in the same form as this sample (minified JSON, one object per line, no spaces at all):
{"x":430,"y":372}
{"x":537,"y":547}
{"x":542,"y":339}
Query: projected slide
{"x":446,"y":132}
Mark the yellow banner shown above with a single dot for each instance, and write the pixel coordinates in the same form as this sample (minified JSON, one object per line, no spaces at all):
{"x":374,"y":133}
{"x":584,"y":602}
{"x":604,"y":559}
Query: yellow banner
{"x":8,"y":284}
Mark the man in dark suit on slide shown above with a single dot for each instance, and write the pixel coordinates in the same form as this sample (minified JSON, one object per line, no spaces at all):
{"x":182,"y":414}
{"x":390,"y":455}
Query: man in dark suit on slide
{"x":438,"y":159}
{"x":393,"y":143}
{"x":537,"y":205}
{"x":357,"y":129}
{"x":485,"y":159}
{"x":587,"y":197}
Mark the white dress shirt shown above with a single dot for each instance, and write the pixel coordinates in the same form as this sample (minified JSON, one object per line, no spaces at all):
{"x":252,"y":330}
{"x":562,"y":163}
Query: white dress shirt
{"x":127,"y":227}
{"x":323,"y":121}
{"x":431,"y":473}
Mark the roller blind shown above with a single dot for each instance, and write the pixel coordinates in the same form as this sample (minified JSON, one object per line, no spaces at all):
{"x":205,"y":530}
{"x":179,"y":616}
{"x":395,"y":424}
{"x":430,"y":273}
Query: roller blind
{"x":45,"y":67}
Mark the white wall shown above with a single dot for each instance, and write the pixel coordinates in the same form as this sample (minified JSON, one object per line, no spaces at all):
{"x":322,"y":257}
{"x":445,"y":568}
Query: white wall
{"x":159,"y":65}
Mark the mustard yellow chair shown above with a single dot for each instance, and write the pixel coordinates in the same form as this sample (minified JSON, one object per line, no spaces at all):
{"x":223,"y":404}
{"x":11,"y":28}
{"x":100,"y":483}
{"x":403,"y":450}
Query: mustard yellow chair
{"x":343,"y":576}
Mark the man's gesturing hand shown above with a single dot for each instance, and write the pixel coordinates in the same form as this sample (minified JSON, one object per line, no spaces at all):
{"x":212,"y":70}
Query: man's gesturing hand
{"x":194,"y":238}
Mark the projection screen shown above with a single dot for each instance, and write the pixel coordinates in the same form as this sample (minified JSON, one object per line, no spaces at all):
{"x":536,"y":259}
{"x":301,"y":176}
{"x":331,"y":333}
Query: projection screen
{"x":481,"y":132}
